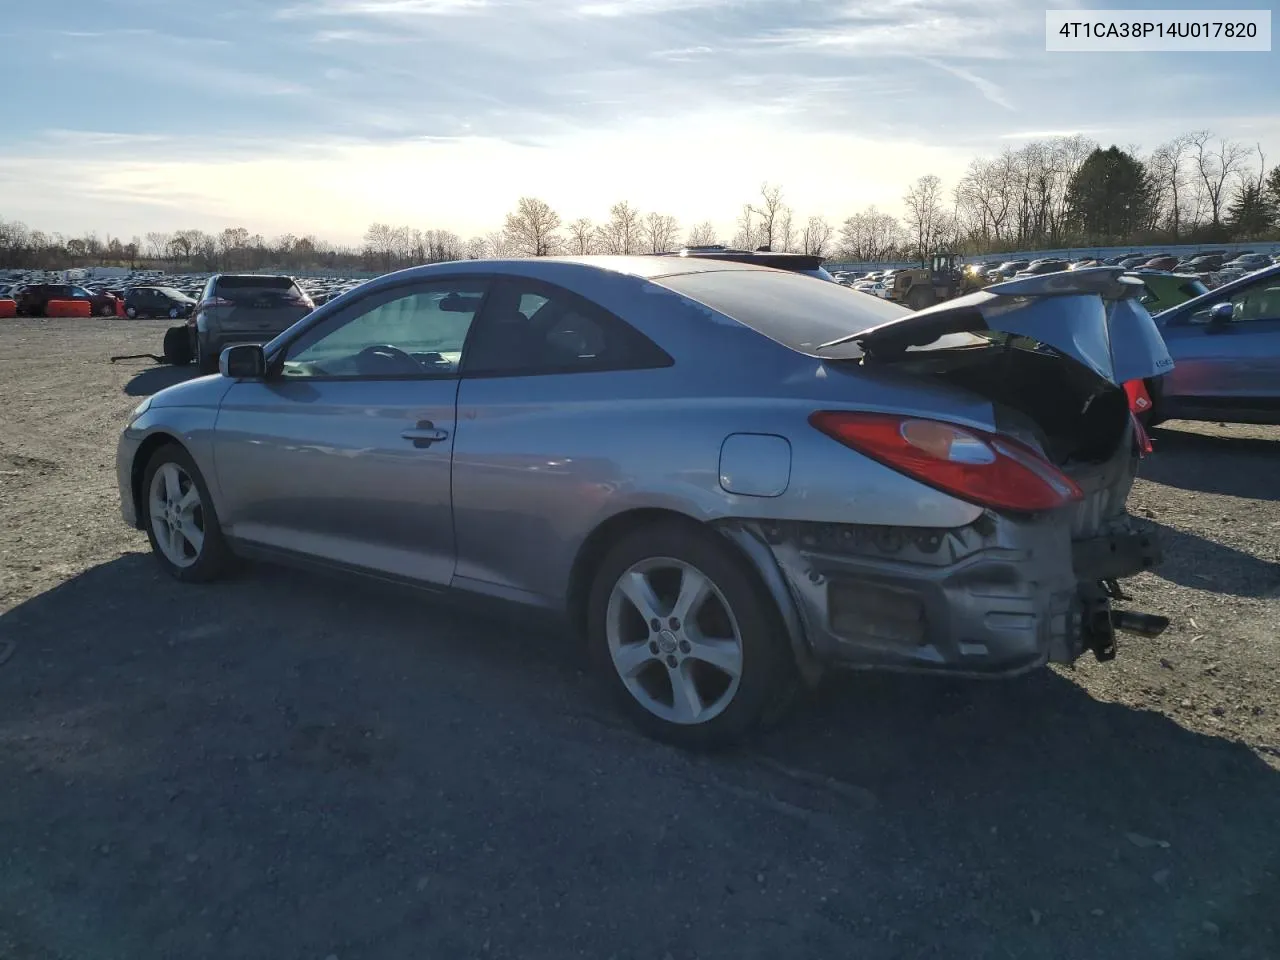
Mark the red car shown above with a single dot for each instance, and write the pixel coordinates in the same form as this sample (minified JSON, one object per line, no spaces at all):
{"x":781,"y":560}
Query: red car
{"x":33,"y":297}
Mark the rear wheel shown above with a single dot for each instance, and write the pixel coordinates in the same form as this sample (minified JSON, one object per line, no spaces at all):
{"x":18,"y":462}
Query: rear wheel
{"x":180,"y":520}
{"x":106,"y":310}
{"x":204,"y":362}
{"x":686,"y":639}
{"x":131,"y":313}
{"x":177,"y":346}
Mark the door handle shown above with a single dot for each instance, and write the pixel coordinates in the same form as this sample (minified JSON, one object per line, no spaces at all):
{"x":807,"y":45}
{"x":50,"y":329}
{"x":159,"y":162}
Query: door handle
{"x":425,"y":434}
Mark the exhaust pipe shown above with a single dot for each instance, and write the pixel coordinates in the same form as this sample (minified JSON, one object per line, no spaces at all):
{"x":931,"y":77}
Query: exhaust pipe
{"x":1147,"y":625}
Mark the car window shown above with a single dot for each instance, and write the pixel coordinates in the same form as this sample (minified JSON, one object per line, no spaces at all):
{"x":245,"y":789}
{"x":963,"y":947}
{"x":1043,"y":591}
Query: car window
{"x":257,"y":290}
{"x":1256,"y":301}
{"x":410,"y":331}
{"x":787,"y":307}
{"x":529,"y":328}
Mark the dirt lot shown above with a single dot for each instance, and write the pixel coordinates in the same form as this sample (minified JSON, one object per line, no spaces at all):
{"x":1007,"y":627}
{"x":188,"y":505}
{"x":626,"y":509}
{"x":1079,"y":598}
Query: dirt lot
{"x":285,"y":766}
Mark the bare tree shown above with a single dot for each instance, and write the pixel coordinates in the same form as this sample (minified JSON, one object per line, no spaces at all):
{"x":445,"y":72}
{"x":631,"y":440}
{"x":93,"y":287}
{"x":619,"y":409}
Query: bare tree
{"x":532,"y":228}
{"x":1215,"y":167}
{"x":816,"y":237}
{"x":499,"y":245}
{"x":1168,"y":168}
{"x":621,"y":234}
{"x":582,"y":236}
{"x":773,"y":217}
{"x":925,"y":214}
{"x":871,"y":235}
{"x":660,"y":231}
{"x":703,"y":235}
{"x":477,"y":249}
{"x":748,"y":234}
{"x":157,"y":245}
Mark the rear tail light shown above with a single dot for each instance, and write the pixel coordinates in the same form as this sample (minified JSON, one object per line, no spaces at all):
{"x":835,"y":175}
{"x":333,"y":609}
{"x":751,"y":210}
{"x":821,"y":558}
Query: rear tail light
{"x":214,"y":302}
{"x":986,"y":469}
{"x":300,"y":300}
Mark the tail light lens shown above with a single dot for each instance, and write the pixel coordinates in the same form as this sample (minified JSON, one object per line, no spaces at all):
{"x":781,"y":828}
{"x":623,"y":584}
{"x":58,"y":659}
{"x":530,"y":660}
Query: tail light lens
{"x":301,"y":300}
{"x":214,"y":302}
{"x":986,"y":469}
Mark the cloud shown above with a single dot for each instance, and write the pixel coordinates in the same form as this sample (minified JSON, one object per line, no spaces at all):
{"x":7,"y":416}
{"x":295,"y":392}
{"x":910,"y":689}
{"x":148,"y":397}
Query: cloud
{"x":985,"y":87}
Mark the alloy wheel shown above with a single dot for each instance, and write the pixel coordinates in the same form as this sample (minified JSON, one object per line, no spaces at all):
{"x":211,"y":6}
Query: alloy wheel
{"x":177,"y":515}
{"x":674,"y":641}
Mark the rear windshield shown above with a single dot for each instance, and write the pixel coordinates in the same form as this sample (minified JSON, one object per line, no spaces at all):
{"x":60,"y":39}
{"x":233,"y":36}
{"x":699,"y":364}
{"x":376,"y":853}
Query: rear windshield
{"x":242,"y":289}
{"x":797,"y":311}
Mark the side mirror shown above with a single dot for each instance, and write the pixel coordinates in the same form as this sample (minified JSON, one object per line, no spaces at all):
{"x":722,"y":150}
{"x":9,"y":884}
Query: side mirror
{"x":243,"y":361}
{"x":1220,"y":314}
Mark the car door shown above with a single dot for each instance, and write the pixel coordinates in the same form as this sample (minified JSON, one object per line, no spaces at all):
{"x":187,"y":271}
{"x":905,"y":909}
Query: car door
{"x":342,"y":453}
{"x":532,"y":468}
{"x":1228,"y":364}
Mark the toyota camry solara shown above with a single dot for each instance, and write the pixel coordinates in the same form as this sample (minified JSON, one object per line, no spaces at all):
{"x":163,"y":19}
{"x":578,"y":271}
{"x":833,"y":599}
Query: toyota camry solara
{"x":725,"y":477}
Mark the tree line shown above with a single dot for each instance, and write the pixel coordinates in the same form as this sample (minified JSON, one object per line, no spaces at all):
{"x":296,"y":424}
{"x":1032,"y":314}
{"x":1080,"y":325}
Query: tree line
{"x":1051,"y":193}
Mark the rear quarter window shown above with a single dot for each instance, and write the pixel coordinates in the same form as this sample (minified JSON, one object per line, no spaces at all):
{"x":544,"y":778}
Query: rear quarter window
{"x":797,"y":311}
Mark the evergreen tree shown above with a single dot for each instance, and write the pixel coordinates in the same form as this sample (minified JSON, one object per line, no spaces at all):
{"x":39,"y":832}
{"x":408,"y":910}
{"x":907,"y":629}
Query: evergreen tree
{"x":1110,"y":197}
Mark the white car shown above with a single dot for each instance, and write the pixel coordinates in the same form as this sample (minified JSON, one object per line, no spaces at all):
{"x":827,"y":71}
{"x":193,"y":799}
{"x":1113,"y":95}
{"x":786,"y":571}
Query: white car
{"x":874,"y":287}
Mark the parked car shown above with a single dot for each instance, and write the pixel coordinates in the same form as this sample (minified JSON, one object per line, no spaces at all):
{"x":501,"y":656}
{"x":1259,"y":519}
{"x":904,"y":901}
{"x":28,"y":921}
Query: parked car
{"x":1226,"y":348}
{"x":725,"y":477}
{"x":1163,"y":290}
{"x":1160,"y":263}
{"x":1038,"y":267}
{"x":243,"y":308}
{"x":33,"y":298}
{"x":158,"y":302}
{"x":1007,"y":269}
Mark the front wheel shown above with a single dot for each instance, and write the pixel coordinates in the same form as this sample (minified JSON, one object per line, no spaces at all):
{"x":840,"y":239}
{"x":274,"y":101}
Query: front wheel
{"x":919,"y":298}
{"x":686,"y":638}
{"x":106,"y":310}
{"x":174,"y":313}
{"x":131,"y":313}
{"x":181,"y":522}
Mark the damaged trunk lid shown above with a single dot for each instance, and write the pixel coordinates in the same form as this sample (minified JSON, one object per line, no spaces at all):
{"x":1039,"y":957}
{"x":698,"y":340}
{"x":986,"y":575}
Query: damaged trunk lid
{"x":1092,"y":316}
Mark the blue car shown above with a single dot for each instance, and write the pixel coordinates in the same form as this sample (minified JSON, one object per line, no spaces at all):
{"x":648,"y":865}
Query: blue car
{"x":1226,"y":350}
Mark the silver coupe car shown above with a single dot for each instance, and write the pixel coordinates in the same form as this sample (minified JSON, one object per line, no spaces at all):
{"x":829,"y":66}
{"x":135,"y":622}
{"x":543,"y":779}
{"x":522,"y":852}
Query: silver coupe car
{"x":725,"y":477}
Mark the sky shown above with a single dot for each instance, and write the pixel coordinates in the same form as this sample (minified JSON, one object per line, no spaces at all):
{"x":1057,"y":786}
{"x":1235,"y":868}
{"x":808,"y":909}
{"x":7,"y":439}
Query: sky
{"x":322,"y":116}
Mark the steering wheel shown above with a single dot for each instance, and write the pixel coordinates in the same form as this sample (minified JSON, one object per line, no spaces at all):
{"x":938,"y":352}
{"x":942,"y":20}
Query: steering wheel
{"x":383,"y":354}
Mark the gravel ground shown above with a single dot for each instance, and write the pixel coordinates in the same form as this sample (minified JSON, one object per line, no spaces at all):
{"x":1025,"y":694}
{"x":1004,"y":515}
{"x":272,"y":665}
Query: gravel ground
{"x":290,"y":766}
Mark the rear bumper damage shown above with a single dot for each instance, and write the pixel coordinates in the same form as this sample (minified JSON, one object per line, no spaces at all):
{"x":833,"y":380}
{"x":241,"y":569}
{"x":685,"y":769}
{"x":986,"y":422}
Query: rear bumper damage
{"x":996,"y":598}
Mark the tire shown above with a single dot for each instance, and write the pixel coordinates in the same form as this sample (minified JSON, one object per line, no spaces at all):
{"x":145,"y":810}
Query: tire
{"x":177,"y":346}
{"x":725,"y":709}
{"x":106,"y":310}
{"x":174,"y":313}
{"x":131,"y":313}
{"x":204,"y":363}
{"x":176,"y":505}
{"x":918,"y":298}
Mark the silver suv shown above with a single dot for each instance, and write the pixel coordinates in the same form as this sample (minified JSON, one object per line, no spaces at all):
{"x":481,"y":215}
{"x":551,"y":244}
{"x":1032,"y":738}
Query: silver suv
{"x":244,"y":308}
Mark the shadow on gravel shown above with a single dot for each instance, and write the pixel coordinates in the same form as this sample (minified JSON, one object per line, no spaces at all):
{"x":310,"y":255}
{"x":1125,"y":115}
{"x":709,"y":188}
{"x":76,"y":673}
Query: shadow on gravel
{"x":1193,"y":561}
{"x":1231,"y":466}
{"x":291,"y":765}
{"x":154,"y":379}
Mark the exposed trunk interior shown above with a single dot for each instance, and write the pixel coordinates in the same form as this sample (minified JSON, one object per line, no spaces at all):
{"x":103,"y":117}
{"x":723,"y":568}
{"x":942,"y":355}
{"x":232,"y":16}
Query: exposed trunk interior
{"x":1079,"y":417}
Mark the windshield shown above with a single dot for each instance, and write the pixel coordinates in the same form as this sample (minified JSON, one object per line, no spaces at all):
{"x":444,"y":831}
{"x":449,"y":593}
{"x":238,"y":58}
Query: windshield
{"x":787,"y":307}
